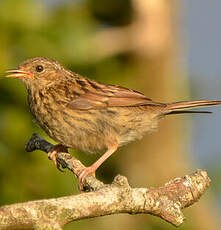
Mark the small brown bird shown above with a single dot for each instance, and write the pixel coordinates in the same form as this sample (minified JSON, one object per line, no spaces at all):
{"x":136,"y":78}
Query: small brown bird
{"x":87,"y":115}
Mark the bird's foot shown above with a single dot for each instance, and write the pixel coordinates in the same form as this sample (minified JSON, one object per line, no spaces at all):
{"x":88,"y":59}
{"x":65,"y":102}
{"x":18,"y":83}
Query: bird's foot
{"x":52,"y":155}
{"x":82,"y":173}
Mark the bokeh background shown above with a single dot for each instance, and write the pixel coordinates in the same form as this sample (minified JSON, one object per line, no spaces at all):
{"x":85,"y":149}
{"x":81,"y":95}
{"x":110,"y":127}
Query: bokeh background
{"x":170,"y":50}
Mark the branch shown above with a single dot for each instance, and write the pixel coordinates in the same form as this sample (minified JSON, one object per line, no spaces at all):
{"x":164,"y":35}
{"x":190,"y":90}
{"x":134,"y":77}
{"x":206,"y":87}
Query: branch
{"x":165,"y":202}
{"x":65,"y":159}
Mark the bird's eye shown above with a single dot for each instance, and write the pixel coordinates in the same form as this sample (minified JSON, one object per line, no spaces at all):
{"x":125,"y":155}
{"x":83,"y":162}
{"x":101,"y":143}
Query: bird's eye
{"x":39,"y":68}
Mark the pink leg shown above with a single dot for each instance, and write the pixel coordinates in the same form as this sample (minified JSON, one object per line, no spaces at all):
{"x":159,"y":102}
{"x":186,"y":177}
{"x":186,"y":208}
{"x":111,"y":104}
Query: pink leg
{"x":53,"y":152}
{"x":91,"y":169}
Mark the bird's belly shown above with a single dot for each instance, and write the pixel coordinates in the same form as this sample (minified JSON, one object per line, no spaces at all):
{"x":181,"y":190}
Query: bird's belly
{"x":75,"y":132}
{"x":95,"y":130}
{"x":84,"y":130}
{"x":135,"y":124}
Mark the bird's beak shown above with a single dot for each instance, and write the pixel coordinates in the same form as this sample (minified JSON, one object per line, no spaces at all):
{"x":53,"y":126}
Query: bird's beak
{"x":17,"y":73}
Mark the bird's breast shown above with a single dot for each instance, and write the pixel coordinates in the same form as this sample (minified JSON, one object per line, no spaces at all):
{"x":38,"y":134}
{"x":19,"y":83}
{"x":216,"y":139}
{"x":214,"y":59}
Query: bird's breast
{"x":45,"y":110}
{"x":73,"y":128}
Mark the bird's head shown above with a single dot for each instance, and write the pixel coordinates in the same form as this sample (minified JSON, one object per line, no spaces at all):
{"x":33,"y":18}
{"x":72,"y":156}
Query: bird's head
{"x":38,"y":72}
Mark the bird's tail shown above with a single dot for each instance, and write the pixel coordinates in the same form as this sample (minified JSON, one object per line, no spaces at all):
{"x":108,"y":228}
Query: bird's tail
{"x":184,"y":106}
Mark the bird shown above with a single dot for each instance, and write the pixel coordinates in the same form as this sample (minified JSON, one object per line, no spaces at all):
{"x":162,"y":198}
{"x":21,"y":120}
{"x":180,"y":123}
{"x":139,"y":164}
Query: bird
{"x":81,"y":113}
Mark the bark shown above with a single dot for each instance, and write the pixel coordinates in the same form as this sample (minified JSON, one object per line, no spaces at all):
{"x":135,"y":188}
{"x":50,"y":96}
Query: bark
{"x":165,"y":202}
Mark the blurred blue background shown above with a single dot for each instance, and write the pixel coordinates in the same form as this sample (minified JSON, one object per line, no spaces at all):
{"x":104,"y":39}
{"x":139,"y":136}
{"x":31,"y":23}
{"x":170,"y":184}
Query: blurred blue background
{"x":202,"y":38}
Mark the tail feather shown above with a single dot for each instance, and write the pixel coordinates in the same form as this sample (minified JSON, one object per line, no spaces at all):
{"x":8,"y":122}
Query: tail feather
{"x":184,"y":106}
{"x":188,"y":111}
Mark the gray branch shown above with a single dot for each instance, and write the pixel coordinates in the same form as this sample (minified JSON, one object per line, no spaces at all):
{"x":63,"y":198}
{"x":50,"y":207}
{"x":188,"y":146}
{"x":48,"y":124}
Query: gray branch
{"x":165,"y":202}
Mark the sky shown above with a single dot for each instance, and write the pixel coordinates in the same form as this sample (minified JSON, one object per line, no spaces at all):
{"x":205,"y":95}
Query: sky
{"x":201,"y":34}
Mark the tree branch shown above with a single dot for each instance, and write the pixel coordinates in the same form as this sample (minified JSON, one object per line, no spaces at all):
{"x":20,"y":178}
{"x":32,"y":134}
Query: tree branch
{"x":165,"y":202}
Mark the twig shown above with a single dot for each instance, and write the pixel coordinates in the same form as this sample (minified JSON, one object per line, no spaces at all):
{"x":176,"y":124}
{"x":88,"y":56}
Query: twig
{"x":165,"y":202}
{"x":65,"y":159}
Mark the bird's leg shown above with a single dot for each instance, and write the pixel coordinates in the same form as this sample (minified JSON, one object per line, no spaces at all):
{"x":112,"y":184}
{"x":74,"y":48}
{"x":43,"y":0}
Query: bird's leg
{"x":83,"y":172}
{"x":52,"y":154}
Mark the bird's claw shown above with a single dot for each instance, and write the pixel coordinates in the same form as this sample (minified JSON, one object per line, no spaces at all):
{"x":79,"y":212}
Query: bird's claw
{"x":52,"y":155}
{"x":82,"y":173}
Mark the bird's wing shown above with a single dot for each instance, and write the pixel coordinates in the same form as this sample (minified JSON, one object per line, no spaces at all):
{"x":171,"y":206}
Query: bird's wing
{"x":94,"y":95}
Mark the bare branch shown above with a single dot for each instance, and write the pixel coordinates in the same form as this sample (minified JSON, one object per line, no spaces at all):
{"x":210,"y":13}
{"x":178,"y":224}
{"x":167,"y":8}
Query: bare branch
{"x":65,"y":159}
{"x":165,"y":202}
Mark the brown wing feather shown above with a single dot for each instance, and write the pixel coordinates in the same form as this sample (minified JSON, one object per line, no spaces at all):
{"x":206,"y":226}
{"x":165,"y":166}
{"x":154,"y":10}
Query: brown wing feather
{"x":94,"y":95}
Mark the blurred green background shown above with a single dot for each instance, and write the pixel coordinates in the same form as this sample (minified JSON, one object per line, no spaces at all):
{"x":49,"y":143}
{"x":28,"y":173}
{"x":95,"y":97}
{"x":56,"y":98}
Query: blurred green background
{"x":138,"y":44}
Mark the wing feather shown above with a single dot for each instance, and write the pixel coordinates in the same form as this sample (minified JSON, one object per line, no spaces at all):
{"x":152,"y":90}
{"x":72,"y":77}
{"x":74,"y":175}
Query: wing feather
{"x":94,"y":95}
